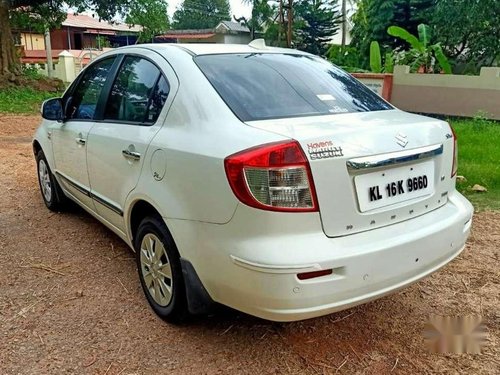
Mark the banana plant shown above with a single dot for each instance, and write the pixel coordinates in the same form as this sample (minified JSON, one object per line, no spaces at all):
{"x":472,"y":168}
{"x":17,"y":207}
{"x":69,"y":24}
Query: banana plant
{"x":422,"y":55}
{"x":376,"y":59}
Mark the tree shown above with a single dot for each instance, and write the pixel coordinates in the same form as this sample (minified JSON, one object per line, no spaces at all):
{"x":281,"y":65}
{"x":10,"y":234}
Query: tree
{"x":9,"y":63}
{"x":373,"y":17}
{"x":262,"y":16}
{"x":201,"y":14}
{"x":469,"y":32}
{"x":151,"y":15}
{"x":316,"y":21}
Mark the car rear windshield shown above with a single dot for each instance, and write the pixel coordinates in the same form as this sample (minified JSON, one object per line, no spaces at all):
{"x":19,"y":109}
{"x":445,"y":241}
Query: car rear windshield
{"x":261,"y":86}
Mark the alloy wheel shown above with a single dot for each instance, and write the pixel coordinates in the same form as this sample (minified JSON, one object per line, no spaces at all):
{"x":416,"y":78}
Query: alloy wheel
{"x":45,"y":183}
{"x":156,"y":269}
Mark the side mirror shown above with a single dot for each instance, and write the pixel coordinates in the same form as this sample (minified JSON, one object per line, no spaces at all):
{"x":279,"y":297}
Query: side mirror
{"x":52,"y":109}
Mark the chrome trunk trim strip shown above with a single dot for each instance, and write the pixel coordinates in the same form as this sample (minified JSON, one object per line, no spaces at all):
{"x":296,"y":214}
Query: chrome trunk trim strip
{"x":383,"y":160}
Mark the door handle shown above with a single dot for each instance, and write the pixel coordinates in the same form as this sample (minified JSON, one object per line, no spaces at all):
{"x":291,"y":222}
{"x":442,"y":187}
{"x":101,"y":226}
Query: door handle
{"x":131,"y":154}
{"x":80,"y":141}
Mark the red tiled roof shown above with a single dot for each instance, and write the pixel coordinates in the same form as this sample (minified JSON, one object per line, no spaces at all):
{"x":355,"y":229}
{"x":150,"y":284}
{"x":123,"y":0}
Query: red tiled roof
{"x":87,"y":22}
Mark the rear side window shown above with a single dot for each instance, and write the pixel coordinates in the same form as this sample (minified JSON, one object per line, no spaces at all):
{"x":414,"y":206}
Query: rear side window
{"x":158,"y":100}
{"x":268,"y":86}
{"x":134,"y":96}
{"x":86,"y":93}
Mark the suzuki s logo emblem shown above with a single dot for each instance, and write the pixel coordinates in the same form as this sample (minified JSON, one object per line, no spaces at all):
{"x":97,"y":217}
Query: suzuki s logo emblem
{"x":402,"y":140}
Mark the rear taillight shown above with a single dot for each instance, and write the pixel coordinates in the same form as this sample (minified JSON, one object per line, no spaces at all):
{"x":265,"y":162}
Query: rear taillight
{"x":454,"y":166}
{"x":274,"y":176}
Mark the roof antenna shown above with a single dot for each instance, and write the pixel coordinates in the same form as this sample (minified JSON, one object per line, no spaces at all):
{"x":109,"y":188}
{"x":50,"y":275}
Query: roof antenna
{"x":258,"y":44}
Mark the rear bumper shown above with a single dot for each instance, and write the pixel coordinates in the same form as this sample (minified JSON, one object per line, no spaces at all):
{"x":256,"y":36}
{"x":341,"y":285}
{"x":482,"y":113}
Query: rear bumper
{"x":253,"y":268}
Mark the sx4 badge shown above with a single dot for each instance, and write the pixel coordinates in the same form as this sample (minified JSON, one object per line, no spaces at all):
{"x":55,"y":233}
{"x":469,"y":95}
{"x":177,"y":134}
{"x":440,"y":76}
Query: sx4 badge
{"x":323,"y":150}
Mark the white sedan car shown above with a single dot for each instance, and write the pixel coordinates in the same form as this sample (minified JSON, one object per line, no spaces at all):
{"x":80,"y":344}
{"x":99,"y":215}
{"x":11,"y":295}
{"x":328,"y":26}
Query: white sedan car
{"x":264,"y":179}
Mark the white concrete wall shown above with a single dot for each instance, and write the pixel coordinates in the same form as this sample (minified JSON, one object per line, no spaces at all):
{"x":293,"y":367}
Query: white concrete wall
{"x":448,"y":94}
{"x":237,"y":38}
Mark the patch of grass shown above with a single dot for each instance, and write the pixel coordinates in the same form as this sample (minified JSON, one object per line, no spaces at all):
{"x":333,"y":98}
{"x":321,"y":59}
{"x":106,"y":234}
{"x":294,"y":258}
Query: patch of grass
{"x":479,"y":160}
{"x":23,"y":99}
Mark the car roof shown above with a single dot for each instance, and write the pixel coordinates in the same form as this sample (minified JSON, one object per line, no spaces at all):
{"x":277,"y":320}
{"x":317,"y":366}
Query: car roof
{"x":215,"y":48}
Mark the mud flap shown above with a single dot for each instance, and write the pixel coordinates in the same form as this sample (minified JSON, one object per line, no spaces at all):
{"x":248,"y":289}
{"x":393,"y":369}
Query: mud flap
{"x":198,"y":299}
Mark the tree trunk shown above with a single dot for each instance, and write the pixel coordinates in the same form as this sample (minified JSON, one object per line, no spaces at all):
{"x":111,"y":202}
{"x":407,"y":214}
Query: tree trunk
{"x":344,"y":23}
{"x":8,"y":58}
{"x":290,"y":20}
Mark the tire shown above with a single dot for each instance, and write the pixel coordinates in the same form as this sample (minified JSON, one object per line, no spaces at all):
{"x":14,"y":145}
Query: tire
{"x":158,"y":258}
{"x":51,"y":191}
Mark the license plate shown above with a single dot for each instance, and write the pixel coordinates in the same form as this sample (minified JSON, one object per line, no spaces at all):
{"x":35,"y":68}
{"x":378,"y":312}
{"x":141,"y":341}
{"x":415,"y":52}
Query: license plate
{"x":384,"y":188}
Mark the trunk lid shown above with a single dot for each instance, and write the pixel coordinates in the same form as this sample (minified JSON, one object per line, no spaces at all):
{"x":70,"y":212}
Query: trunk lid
{"x":372,"y":169}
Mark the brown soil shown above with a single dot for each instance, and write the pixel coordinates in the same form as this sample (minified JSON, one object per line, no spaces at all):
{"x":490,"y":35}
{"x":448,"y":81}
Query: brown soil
{"x":70,"y":302}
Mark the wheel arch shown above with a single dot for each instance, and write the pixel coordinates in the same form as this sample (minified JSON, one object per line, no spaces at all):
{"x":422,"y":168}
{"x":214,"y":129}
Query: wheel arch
{"x":140,"y":209}
{"x":37,"y":147}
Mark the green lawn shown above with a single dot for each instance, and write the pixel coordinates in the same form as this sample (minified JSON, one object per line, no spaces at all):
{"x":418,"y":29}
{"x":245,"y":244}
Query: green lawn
{"x":479,"y":160}
{"x":23,"y":100}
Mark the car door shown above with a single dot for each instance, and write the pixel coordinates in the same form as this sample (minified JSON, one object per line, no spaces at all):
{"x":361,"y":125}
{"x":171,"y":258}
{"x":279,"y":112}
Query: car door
{"x":134,"y":112}
{"x":70,"y":137}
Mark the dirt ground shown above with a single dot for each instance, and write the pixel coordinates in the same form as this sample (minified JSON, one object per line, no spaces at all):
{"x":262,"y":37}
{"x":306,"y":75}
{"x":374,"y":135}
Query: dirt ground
{"x":70,"y":302}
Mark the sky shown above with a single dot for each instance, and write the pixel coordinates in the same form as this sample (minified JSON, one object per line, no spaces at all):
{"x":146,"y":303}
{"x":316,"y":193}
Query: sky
{"x":237,"y":8}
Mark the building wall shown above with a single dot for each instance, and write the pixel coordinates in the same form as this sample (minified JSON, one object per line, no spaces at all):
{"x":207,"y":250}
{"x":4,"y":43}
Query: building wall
{"x":237,"y":38}
{"x":32,"y":41}
{"x":337,"y":38}
{"x":59,"y":39}
{"x":77,"y":39}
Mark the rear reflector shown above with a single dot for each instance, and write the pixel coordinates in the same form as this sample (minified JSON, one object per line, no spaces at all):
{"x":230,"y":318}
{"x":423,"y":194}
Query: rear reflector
{"x":274,"y":177}
{"x":314,"y":274}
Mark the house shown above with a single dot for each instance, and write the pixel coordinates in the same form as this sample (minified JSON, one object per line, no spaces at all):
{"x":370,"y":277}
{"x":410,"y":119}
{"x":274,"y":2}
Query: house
{"x":336,"y":39}
{"x":226,"y":32}
{"x":82,"y":32}
{"x":78,"y":32}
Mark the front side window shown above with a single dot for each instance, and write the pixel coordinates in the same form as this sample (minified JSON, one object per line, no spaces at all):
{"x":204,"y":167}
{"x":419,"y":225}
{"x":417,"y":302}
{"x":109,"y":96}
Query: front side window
{"x":259,"y":86}
{"x":84,"y":98}
{"x":133,"y":92}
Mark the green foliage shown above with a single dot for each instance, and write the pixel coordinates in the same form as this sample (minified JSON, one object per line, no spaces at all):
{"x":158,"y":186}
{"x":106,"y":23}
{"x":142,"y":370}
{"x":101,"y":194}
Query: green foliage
{"x":38,"y":17}
{"x":30,"y":72}
{"x":347,"y":58}
{"x":375,"y":57}
{"x":102,"y":41}
{"x":424,"y":34}
{"x":401,"y":33}
{"x":441,"y":58}
{"x":478,"y":155}
{"x":23,"y":99}
{"x":272,"y":35}
{"x":422,"y":57}
{"x":373,"y":17}
{"x":469,"y":32}
{"x":201,"y":14}
{"x":262,"y":13}
{"x":151,"y":15}
{"x":315,"y":23}
{"x":389,"y":63}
